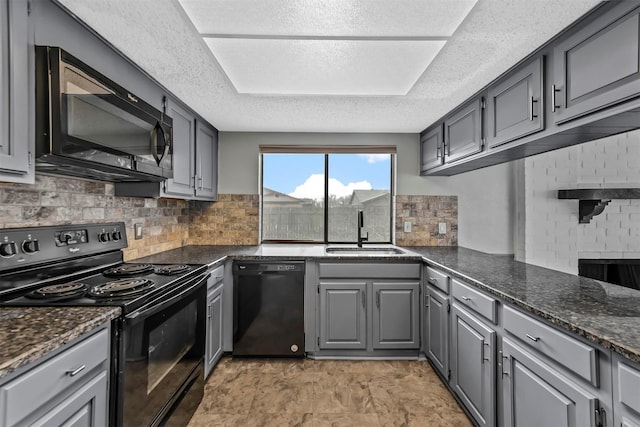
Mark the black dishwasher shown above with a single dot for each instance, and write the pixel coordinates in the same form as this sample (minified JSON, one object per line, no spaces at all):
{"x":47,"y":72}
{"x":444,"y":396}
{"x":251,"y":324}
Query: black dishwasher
{"x":268,"y":317}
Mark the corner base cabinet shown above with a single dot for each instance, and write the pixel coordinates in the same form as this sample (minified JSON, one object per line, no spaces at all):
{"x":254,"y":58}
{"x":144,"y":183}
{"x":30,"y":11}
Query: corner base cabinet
{"x":70,"y":388}
{"x":436,"y":324}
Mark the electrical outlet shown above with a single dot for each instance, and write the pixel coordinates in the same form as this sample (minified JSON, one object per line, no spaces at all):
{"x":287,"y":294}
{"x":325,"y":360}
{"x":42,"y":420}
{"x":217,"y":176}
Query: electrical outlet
{"x":442,"y":228}
{"x":407,"y":226}
{"x":137,"y":228}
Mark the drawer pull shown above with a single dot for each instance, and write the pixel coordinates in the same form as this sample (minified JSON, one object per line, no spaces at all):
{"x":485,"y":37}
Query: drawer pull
{"x":532,"y":338}
{"x":465,"y":298}
{"x":433,"y":280}
{"x":76,"y":371}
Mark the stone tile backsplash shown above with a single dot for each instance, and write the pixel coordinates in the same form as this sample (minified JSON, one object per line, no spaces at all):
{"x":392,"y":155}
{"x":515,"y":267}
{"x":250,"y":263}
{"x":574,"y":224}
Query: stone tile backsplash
{"x":425,"y":213}
{"x":54,"y":200}
{"x":232,"y":220}
{"x":170,"y":223}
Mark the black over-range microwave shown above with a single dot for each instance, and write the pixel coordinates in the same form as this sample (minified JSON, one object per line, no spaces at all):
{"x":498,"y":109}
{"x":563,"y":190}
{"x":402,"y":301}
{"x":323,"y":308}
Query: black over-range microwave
{"x":89,"y":126}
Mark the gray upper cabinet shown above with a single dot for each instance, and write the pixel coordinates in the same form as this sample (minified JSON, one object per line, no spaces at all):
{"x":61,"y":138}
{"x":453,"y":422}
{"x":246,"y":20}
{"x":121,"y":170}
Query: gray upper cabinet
{"x":343,"y":320}
{"x":436,"y":324}
{"x":206,"y":161}
{"x":16,"y":139}
{"x":515,"y":106}
{"x":535,"y":394}
{"x":598,"y":65}
{"x":473,"y":368}
{"x":431,"y":148}
{"x":395,"y":317}
{"x":463,"y":132}
{"x":182,"y":183}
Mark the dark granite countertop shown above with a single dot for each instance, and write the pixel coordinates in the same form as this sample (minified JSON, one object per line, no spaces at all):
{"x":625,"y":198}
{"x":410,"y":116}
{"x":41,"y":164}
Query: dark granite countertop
{"x":29,"y":333}
{"x":605,"y":314}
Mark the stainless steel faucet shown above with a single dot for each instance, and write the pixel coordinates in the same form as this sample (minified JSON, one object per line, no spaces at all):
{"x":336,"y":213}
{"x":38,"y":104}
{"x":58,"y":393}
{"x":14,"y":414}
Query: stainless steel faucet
{"x":361,"y":238}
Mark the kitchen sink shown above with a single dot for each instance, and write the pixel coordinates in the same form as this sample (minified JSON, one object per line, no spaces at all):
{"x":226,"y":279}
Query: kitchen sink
{"x":375,"y":250}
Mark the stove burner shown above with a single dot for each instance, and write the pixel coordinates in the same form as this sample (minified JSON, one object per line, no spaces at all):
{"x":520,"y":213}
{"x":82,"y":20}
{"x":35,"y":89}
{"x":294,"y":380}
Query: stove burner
{"x":64,"y":291}
{"x":129,"y":270}
{"x":120,"y":288}
{"x":169,"y":270}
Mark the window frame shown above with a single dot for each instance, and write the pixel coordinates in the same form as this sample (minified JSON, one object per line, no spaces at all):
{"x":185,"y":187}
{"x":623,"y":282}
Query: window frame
{"x":326,"y":151}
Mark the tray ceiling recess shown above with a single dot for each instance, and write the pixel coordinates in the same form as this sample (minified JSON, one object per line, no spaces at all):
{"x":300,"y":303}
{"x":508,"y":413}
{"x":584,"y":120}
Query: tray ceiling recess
{"x":325,"y":47}
{"x":592,"y":201}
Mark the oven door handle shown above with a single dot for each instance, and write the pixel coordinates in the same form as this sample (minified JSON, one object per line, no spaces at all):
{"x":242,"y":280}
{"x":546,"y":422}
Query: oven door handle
{"x":153,"y":307}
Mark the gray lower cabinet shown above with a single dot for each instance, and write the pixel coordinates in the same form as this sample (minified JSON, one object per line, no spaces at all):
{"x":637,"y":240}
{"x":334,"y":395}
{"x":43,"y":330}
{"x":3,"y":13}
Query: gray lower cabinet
{"x":535,"y":394}
{"x":473,"y":369}
{"x":626,"y":392}
{"x":206,"y":168}
{"x":214,"y":331}
{"x":431,"y":142}
{"x":436,"y":325}
{"x":588,"y":74}
{"x":514,"y":105}
{"x":16,"y":141}
{"x":395,"y":316}
{"x":343,"y":315}
{"x":70,"y":388}
{"x":463,"y":132}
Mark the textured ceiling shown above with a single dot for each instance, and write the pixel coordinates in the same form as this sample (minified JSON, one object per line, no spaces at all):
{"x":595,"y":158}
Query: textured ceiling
{"x":160,"y":38}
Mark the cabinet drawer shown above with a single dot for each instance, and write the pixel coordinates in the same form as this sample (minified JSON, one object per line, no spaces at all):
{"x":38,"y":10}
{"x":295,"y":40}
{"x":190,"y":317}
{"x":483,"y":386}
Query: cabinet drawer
{"x":358,"y":271}
{"x":217,"y":274}
{"x":567,"y":351}
{"x":475,"y":300}
{"x":53,"y":377}
{"x":629,"y":386}
{"x":438,"y":279}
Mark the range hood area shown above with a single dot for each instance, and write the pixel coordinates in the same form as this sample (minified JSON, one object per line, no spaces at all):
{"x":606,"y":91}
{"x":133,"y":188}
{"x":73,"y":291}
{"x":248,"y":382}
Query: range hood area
{"x":592,"y":201}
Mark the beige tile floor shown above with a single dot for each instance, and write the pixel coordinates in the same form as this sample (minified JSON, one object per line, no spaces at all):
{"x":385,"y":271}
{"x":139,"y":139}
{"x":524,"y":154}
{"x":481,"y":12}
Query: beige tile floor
{"x":294,"y":392}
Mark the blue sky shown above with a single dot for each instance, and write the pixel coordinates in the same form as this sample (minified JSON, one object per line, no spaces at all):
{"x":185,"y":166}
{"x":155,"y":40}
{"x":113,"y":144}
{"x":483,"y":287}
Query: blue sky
{"x":285,"y":172}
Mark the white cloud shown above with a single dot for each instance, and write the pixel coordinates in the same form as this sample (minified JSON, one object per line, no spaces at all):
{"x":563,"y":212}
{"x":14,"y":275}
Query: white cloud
{"x":313,"y":188}
{"x":375,"y":158}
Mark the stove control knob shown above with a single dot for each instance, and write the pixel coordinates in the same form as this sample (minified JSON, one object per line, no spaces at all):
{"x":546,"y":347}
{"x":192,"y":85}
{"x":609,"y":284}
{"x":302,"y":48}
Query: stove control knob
{"x":104,"y":237}
{"x":67,"y":237}
{"x":116,"y":235}
{"x":30,"y":246}
{"x":7,"y":250}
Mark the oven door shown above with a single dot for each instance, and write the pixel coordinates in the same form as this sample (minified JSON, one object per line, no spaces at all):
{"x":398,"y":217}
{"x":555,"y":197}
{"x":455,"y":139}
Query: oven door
{"x":161,"y":345}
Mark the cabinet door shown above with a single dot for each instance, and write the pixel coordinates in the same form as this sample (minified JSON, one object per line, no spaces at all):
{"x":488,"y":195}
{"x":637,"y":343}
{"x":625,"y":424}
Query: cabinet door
{"x":626,"y":392}
{"x":515,"y":106}
{"x":396,"y":322}
{"x":431,"y":149}
{"x":598,"y":65}
{"x":15,"y":94}
{"x":534,"y":394}
{"x":437,"y":328}
{"x":463,"y":132}
{"x":473,"y":365}
{"x":87,"y":407}
{"x":182,"y":183}
{"x":343,"y":322}
{"x":206,"y":162}
{"x":214,"y":329}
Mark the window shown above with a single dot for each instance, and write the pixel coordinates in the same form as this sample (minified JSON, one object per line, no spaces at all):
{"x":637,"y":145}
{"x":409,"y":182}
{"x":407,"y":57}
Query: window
{"x":314,"y":195}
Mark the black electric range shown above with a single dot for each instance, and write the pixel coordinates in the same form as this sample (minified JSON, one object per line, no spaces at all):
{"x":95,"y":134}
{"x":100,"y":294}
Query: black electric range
{"x":157,"y":342}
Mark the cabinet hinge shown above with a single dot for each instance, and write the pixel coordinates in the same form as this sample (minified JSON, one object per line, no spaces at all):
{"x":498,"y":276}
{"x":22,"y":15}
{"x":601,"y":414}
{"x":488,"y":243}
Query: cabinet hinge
{"x":318,"y":341}
{"x":448,"y":307}
{"x":29,"y":158}
{"x":483,"y":104}
{"x":449,"y":374}
{"x":483,"y":142}
{"x":318,"y":288}
{"x":28,"y":8}
{"x":164,"y":105}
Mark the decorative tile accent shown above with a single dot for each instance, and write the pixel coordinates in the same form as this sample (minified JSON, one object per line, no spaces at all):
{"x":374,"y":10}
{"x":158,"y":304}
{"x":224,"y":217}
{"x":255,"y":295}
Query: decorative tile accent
{"x":425,"y":213}
{"x":54,"y":200}
{"x":232,"y":220}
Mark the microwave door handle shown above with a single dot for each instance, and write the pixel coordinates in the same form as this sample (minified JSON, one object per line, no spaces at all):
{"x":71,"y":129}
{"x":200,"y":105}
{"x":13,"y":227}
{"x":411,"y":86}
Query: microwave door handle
{"x":154,"y":143}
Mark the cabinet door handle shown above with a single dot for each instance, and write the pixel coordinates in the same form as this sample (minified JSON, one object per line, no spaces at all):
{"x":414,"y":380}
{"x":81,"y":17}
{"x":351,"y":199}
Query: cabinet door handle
{"x":465,"y":298}
{"x":364,"y":300}
{"x":200,"y":182}
{"x":209,"y":311}
{"x":484,"y":359}
{"x":74,"y":372}
{"x":502,"y":372}
{"x":554,"y":107}
{"x":532,"y":338}
{"x":378,"y":299}
{"x":433,"y":281}
{"x":531,"y":115}
{"x":438,"y":148}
